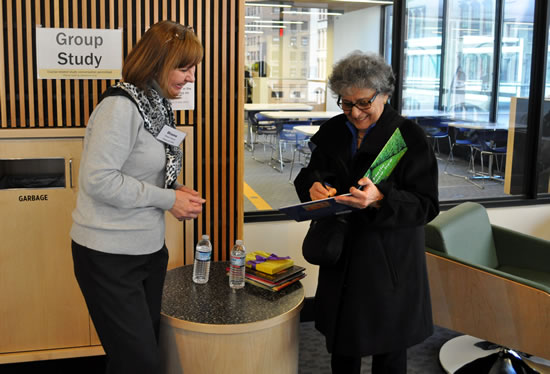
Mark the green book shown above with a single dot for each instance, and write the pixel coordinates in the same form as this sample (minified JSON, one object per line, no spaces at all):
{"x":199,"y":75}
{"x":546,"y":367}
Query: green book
{"x":387,"y":159}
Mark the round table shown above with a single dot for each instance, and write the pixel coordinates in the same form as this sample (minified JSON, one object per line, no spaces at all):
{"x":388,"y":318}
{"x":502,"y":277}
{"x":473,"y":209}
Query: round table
{"x":211,"y":328}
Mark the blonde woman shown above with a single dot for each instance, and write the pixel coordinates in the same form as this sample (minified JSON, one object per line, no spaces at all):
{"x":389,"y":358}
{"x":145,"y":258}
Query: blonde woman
{"x":127,"y":182}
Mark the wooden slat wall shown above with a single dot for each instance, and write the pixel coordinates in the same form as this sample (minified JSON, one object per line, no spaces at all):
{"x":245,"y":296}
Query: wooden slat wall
{"x":26,"y":102}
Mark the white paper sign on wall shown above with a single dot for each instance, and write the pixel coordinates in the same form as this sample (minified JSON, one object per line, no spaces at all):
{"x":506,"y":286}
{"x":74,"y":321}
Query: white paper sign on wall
{"x":186,"y":98}
{"x":66,"y":53}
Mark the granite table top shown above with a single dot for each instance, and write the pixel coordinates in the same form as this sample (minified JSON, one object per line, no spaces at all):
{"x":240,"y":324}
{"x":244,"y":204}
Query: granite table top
{"x":216,"y":303}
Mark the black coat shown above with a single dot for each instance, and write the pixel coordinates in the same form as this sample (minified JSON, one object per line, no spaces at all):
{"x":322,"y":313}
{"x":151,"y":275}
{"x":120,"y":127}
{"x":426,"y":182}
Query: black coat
{"x":376,"y":298}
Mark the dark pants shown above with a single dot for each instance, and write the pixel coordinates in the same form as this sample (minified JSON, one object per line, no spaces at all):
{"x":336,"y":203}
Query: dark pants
{"x":123,"y":294}
{"x":386,"y":363}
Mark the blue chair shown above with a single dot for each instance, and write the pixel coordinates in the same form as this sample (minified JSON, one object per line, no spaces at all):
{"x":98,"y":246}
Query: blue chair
{"x":262,"y":127}
{"x":286,"y":137}
{"x":304,"y":149}
{"x":435,"y":130}
{"x":493,"y":144}
{"x":468,"y":138}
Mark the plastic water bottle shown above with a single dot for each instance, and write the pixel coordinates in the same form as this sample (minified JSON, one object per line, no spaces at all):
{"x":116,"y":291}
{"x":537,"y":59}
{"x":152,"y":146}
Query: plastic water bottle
{"x":237,"y":266}
{"x":201,"y":267}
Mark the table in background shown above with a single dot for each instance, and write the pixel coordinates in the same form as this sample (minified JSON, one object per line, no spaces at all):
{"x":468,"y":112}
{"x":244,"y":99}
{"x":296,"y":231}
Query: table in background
{"x":251,"y":110}
{"x":277,"y":106}
{"x":291,"y":118}
{"x":483,"y":128}
{"x":477,"y":125}
{"x":423,"y":113}
{"x":210,"y":328}
{"x":285,"y":116}
{"x":307,"y":130}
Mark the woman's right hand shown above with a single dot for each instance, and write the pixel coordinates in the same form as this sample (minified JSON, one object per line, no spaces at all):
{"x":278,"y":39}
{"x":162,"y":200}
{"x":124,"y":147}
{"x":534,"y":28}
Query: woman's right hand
{"x":319,"y":191}
{"x":188,"y":204}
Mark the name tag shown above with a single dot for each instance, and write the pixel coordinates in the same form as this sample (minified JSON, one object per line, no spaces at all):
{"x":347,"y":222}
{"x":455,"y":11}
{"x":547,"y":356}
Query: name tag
{"x":170,"y":135}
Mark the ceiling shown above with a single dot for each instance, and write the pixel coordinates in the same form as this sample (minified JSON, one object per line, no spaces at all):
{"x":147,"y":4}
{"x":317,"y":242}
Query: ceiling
{"x":335,"y":5}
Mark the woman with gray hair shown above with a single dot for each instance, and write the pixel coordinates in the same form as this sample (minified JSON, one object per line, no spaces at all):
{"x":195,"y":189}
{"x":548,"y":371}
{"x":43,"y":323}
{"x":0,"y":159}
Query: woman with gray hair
{"x":375,"y":299}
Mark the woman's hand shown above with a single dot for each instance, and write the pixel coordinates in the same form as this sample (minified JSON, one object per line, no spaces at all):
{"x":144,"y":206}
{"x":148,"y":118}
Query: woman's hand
{"x":369,"y":195}
{"x":188,"y":190}
{"x":188,"y":204}
{"x":319,"y":191}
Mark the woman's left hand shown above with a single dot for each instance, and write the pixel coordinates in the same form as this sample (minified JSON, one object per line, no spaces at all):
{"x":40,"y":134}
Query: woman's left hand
{"x":188,"y":204}
{"x":188,"y":190}
{"x":369,"y":195}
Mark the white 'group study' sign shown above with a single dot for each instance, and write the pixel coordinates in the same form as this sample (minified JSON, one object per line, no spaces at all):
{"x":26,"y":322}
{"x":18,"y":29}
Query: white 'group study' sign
{"x":78,"y":53}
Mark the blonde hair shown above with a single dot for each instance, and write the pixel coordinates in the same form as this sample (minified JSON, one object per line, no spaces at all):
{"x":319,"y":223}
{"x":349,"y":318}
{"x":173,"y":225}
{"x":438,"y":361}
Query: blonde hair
{"x":166,"y":46}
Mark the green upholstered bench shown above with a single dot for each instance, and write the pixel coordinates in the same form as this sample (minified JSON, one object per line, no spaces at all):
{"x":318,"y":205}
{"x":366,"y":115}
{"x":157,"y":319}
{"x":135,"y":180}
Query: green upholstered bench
{"x":488,"y":281}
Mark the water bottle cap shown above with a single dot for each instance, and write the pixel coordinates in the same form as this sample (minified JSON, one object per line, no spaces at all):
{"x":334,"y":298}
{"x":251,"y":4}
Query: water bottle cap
{"x":239,"y":242}
{"x":205,"y":237}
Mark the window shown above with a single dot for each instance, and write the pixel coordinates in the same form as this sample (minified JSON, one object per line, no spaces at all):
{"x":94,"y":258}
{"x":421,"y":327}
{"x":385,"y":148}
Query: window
{"x":516,"y":46}
{"x":423,"y":56}
{"x":290,"y":57}
{"x":449,"y":73}
{"x":543,"y":157}
{"x":293,"y":40}
{"x":463,"y":68}
{"x":451,"y":50}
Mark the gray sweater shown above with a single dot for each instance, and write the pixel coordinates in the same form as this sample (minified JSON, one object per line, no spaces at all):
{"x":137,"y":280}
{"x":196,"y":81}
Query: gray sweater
{"x":121,"y":200}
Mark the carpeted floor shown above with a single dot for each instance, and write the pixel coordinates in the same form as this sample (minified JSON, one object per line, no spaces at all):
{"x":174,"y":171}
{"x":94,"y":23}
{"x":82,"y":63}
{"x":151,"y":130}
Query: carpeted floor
{"x":421,"y":359}
{"x":314,"y":359}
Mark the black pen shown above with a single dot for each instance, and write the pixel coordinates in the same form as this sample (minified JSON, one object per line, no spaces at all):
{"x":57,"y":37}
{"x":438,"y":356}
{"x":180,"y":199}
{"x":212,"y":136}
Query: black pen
{"x":327,"y":186}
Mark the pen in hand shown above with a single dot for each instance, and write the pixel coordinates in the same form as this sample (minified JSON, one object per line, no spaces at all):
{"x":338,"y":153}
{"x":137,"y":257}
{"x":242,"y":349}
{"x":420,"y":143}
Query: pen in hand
{"x":330,"y":189}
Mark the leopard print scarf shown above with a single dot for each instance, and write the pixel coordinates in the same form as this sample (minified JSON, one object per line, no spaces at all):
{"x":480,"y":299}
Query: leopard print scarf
{"x":157,"y":112}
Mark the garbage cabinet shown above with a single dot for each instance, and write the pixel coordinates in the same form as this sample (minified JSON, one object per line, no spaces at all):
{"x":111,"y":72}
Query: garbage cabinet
{"x":42,"y":314}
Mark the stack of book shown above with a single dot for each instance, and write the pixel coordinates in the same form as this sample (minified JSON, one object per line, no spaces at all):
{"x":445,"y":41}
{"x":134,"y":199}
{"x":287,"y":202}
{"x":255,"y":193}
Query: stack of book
{"x":274,"y":282}
{"x":271,"y":274}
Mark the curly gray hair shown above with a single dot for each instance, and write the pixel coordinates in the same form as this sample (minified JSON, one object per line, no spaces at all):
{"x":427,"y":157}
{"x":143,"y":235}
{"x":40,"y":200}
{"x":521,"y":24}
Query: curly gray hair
{"x":361,"y":70}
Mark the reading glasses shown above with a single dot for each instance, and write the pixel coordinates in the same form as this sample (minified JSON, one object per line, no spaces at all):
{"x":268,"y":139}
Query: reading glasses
{"x":361,"y":104}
